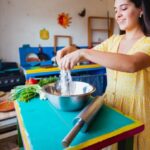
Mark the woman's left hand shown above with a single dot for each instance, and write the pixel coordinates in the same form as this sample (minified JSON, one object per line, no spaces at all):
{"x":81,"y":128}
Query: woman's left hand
{"x":70,"y":60}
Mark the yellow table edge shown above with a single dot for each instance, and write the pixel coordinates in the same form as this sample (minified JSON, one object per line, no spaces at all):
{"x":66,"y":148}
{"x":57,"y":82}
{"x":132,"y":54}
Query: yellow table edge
{"x":38,"y":70}
{"x":106,"y":136}
{"x":21,"y":126}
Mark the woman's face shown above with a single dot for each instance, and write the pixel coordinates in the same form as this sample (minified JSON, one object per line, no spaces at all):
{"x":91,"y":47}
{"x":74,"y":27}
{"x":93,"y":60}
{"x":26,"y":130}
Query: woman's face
{"x":126,"y":14}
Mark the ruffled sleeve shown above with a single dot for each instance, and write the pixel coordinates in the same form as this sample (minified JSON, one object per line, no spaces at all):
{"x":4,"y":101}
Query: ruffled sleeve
{"x":104,"y":46}
{"x":108,"y":44}
{"x":144,"y":47}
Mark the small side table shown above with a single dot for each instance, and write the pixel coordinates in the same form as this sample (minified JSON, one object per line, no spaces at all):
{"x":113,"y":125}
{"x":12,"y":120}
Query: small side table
{"x":43,"y":127}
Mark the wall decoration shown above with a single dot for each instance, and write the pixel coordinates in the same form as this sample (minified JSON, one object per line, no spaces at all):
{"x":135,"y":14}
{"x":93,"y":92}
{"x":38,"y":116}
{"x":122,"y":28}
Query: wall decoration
{"x":64,"y":20}
{"x":44,"y":34}
{"x":82,"y":13}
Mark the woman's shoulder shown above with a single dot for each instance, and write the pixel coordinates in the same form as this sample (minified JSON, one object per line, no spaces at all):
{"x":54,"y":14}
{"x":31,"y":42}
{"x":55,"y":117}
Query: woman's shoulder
{"x":143,"y":45}
{"x":146,"y":39}
{"x":115,"y":37}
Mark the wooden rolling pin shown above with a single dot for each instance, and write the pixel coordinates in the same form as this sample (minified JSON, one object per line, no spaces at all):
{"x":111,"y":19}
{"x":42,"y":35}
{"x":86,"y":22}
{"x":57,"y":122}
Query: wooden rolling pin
{"x":83,"y":120}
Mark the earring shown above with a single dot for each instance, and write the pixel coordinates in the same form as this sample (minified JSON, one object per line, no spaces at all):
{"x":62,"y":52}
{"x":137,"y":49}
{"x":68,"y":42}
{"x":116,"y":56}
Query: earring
{"x":141,"y":14}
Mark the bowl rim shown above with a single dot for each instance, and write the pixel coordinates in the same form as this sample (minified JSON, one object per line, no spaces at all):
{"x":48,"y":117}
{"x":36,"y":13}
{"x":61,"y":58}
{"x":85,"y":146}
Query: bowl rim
{"x":90,"y":92}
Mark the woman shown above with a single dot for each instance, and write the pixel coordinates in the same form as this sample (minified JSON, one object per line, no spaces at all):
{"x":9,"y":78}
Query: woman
{"x":127,"y":59}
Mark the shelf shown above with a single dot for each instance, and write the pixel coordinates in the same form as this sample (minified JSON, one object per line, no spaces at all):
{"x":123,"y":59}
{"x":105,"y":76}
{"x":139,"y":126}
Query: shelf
{"x":100,"y":30}
{"x":97,"y":17}
{"x":104,"y":25}
{"x":8,"y":124}
{"x":96,"y":43}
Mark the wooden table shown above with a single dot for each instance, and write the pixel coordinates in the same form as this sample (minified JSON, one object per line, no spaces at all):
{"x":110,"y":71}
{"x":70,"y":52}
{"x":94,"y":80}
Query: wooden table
{"x":43,"y":127}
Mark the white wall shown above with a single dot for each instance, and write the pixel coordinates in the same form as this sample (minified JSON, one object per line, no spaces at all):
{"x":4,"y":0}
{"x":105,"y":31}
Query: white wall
{"x":110,"y":7}
{"x":21,"y":21}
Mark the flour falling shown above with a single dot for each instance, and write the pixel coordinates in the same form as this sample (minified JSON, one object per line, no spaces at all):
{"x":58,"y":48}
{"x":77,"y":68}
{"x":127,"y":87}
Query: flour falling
{"x":66,"y":83}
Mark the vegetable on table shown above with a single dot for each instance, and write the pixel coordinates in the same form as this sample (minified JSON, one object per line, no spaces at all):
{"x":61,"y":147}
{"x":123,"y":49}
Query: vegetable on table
{"x":48,"y":80}
{"x":31,"y":81}
{"x":32,"y":89}
{"x":25,"y":93}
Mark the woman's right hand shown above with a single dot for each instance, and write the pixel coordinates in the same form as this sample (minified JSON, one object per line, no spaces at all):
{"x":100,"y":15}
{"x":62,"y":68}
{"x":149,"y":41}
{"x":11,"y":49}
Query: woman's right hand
{"x":66,"y":50}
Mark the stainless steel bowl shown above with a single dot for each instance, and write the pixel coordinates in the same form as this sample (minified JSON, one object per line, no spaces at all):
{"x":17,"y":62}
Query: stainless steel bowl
{"x":77,"y":99}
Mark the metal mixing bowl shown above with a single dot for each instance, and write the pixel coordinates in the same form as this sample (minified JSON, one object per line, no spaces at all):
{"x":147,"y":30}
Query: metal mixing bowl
{"x":77,"y":99}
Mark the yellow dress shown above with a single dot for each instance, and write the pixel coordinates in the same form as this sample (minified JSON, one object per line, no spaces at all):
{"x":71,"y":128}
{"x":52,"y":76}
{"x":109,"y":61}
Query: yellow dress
{"x":130,"y":92}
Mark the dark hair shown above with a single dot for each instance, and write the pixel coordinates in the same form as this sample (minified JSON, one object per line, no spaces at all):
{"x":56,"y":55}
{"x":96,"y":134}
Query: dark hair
{"x":145,"y":18}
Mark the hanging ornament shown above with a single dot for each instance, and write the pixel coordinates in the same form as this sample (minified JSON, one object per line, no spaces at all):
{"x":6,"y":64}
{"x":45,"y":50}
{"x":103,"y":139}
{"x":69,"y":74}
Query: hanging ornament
{"x":44,"y":34}
{"x":82,"y":13}
{"x":64,"y":20}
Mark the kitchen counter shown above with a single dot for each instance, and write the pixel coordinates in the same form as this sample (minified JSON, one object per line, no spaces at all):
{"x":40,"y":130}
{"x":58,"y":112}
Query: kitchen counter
{"x":42,"y":126}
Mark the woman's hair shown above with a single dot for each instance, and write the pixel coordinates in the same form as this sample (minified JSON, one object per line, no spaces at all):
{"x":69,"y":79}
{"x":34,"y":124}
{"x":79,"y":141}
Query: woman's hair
{"x":145,"y":18}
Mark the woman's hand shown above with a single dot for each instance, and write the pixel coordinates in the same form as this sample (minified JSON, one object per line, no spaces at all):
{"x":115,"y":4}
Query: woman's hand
{"x":61,"y":53}
{"x":70,"y":60}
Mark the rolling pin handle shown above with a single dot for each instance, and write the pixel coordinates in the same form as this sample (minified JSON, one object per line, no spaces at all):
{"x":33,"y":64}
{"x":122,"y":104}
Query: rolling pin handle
{"x":69,"y":137}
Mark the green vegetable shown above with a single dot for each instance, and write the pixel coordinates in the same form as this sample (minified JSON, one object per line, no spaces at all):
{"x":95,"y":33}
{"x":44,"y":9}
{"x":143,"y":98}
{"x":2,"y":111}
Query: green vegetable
{"x":24,"y":93}
{"x":48,"y":80}
{"x":27,"y":92}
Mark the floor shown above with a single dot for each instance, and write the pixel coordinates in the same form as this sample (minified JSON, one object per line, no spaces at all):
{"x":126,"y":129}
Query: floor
{"x":10,"y":144}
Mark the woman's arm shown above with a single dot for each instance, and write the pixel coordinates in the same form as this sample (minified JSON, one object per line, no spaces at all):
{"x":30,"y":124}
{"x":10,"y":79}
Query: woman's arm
{"x":119,"y":62}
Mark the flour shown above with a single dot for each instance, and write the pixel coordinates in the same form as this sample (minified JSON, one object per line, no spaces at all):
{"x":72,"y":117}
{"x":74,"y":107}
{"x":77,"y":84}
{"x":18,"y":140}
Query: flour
{"x":66,"y":83}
